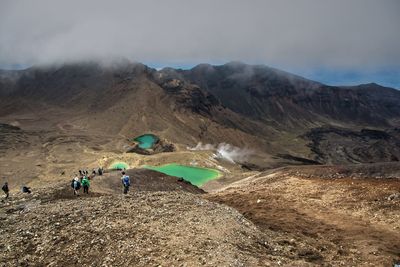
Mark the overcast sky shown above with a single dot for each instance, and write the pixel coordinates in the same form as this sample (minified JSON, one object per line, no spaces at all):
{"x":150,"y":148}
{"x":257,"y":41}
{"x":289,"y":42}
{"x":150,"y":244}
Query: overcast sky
{"x":305,"y":36}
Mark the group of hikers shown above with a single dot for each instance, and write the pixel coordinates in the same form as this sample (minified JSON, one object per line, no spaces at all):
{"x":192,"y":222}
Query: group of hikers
{"x":80,"y":180}
{"x":6,"y":189}
{"x":83,"y":180}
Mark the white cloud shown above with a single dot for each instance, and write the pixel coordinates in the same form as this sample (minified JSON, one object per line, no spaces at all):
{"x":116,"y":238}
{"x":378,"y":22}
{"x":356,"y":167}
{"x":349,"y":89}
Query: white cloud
{"x":337,"y":33}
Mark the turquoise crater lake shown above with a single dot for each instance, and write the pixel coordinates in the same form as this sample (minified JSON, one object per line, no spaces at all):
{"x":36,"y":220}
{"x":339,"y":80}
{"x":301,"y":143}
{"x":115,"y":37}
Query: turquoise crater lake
{"x":146,"y":141}
{"x":195,"y":175}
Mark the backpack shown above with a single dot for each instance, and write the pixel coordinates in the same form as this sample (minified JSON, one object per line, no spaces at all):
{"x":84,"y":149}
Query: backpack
{"x":85,"y":182}
{"x":126,"y":180}
{"x":76,"y":185}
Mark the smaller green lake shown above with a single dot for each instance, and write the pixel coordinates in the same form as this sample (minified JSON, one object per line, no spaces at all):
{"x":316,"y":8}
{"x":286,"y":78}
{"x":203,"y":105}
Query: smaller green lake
{"x":197,"y":176}
{"x":146,"y":141}
{"x":119,"y":165}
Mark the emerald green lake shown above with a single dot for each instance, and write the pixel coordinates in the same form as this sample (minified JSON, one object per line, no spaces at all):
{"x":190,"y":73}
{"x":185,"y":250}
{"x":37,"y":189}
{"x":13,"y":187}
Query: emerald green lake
{"x":197,"y":176}
{"x":119,"y":165}
{"x":146,"y":141}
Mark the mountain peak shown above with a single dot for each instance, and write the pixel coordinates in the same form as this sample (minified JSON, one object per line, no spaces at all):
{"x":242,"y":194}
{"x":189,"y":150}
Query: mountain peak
{"x":235,"y":64}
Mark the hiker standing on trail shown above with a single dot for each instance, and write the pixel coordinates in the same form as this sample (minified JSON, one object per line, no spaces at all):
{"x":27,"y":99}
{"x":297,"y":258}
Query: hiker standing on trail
{"x":126,"y":182}
{"x":85,"y":185}
{"x":100,"y":171}
{"x":76,"y":185}
{"x":6,"y":189}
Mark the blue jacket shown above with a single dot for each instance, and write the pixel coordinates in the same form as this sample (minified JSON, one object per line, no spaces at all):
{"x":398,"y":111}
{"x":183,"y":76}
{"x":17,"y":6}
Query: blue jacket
{"x":126,"y":180}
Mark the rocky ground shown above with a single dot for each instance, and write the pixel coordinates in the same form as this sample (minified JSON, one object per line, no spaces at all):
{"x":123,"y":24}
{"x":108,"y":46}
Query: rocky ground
{"x":282,"y":218}
{"x":344,"y":221}
{"x":174,"y":227}
{"x":143,"y":229}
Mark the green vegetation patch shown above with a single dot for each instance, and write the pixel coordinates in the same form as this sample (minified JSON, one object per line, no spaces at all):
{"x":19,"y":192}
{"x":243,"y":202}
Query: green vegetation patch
{"x":119,"y":165}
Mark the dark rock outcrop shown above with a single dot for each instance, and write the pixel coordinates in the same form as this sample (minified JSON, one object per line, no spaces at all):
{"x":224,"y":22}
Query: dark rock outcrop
{"x":338,"y":145}
{"x":278,"y":97}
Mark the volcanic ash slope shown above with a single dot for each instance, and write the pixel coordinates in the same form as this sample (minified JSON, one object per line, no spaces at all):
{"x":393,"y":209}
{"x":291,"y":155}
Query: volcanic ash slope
{"x":142,"y":229}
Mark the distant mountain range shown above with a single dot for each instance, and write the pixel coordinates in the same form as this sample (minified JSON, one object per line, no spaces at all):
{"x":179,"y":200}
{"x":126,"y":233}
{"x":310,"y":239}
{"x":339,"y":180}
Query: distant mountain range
{"x":271,"y":111}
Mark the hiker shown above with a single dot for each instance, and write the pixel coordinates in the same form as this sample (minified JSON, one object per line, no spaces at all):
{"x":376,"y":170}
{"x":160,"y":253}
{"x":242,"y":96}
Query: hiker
{"x":6,"y":189}
{"x":85,"y":185}
{"x":126,"y":182}
{"x":80,"y":172}
{"x":94,"y":172}
{"x":26,"y":189}
{"x":100,"y":171}
{"x":76,"y":185}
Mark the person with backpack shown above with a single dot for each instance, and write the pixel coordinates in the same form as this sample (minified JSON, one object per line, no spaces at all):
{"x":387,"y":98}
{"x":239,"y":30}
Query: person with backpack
{"x":76,"y":185}
{"x":82,"y":177}
{"x":6,"y":189}
{"x":85,"y":185}
{"x":126,"y":182}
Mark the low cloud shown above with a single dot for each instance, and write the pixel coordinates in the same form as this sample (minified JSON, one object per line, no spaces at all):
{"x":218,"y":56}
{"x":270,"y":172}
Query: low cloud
{"x":306,"y":33}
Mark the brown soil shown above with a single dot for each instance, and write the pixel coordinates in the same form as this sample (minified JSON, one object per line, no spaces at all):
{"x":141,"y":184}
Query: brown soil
{"x":143,"y":180}
{"x":346,"y":222}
